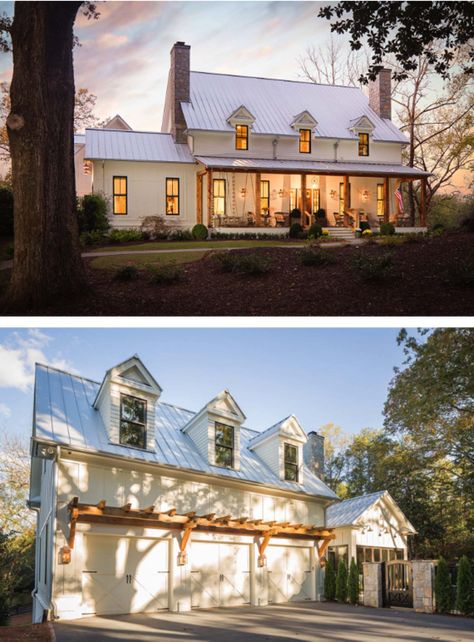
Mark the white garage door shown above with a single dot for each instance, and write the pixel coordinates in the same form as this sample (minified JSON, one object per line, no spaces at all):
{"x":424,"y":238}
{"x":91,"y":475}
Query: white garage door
{"x":289,"y":573}
{"x":220,"y":574}
{"x":124,"y":575}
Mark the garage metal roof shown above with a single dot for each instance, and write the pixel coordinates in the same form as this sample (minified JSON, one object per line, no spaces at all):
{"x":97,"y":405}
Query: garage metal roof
{"x":347,"y":512}
{"x":64,"y":414}
{"x":275,"y":103}
{"x":320,"y":167}
{"x":115,"y":144}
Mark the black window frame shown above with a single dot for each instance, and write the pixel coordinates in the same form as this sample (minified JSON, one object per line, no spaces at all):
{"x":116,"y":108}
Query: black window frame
{"x":220,"y":447}
{"x":134,"y":423}
{"x":265,"y":200}
{"x":222,"y":180}
{"x":293,"y":465}
{"x":173,"y":196}
{"x":120,"y":194}
{"x":302,"y":141}
{"x":364,"y":145}
{"x":240,"y":137}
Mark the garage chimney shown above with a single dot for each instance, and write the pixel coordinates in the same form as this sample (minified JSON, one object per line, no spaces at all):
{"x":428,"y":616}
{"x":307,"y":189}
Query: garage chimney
{"x":179,"y":86}
{"x":313,"y":453}
{"x":380,"y":94}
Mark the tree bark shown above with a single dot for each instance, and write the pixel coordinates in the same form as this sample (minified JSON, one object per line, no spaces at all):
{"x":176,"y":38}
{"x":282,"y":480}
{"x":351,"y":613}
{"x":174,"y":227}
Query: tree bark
{"x":47,"y":258}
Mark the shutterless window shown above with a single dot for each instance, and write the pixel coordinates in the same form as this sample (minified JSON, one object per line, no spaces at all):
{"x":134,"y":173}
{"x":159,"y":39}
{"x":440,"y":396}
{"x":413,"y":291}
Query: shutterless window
{"x":291,"y":463}
{"x":241,"y":137}
{"x":363,"y":144}
{"x":132,"y":421}
{"x":380,"y":199}
{"x":265,"y":195}
{"x":120,"y":195}
{"x":305,"y":141}
{"x":219,"y":196}
{"x":172,"y":196}
{"x":224,"y":445}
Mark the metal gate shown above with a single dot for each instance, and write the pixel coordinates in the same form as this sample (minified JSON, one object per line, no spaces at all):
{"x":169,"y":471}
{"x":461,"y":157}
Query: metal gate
{"x":398,"y":583}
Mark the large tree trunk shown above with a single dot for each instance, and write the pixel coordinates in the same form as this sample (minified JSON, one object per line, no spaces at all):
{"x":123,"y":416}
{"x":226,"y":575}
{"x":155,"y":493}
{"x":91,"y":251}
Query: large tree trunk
{"x":47,"y":261}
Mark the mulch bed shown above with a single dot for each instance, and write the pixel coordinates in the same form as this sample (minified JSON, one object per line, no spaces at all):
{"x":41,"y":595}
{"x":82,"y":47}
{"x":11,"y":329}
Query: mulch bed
{"x":20,"y":628}
{"x":425,"y":281}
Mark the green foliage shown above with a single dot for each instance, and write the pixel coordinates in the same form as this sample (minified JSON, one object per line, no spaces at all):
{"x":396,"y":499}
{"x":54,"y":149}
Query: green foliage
{"x":465,"y":587}
{"x":4,"y":605}
{"x":373,"y":267}
{"x":449,"y":211}
{"x":125,"y":236}
{"x":296,"y":231}
{"x":17,"y":564}
{"x":329,"y":581}
{"x":314,"y":255}
{"x":364,"y":225}
{"x":92,"y":213}
{"x":394,"y":241}
{"x":167,"y":274}
{"x":353,"y":583}
{"x":126,"y":273}
{"x":94,"y":238}
{"x":315,"y":231}
{"x":295,"y":213}
{"x":180,"y":235}
{"x":443,"y":590}
{"x":200,"y":232}
{"x":246,"y":236}
{"x":243,"y":263}
{"x":387,"y":229}
{"x":6,"y":211}
{"x":467,"y":216}
{"x":341,"y":582}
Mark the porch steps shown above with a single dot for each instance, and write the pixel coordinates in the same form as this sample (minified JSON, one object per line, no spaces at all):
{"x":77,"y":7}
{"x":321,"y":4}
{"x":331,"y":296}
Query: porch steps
{"x":342,"y":233}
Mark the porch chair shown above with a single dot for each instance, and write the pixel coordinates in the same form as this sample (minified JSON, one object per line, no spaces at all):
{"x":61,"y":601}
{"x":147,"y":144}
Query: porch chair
{"x":281,"y":219}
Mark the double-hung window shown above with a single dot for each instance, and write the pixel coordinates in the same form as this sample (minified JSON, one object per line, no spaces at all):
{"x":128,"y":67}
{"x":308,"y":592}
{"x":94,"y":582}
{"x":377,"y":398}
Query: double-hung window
{"x":120,"y":195}
{"x":219,"y":196}
{"x":132,"y":421}
{"x":224,"y":445}
{"x":363,"y":144}
{"x":305,"y":141}
{"x":265,"y":196}
{"x":380,"y":199}
{"x":291,"y":462}
{"x":172,"y":196}
{"x":241,"y":137}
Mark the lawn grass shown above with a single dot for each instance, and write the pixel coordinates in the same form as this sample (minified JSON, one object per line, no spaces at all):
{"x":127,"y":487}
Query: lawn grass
{"x":142,"y":261}
{"x":184,"y":245}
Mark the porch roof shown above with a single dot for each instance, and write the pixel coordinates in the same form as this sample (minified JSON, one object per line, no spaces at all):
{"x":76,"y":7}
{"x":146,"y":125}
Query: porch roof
{"x":314,"y":167}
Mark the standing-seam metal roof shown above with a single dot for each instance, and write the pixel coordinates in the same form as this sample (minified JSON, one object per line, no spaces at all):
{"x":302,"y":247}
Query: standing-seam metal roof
{"x":64,"y":414}
{"x":275,"y":103}
{"x":117,"y":144}
{"x":347,"y":512}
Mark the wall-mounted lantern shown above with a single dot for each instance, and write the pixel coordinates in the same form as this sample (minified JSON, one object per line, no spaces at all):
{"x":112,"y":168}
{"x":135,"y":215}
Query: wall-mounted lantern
{"x":64,"y":555}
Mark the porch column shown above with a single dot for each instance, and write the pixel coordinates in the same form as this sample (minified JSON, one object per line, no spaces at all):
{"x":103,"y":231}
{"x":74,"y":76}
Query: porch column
{"x":386,"y":200}
{"x":346,"y":193}
{"x":199,"y":198}
{"x":423,"y":202}
{"x":258,"y":201}
{"x":210,"y":198}
{"x":303,"y":200}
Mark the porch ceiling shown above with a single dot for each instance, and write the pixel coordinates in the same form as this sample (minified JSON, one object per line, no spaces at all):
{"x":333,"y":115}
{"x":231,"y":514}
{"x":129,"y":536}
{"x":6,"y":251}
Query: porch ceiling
{"x":311,"y":167}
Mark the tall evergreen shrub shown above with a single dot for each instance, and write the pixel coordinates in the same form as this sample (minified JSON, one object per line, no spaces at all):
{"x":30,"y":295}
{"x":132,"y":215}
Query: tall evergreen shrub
{"x":341,"y":582}
{"x":353,"y":583}
{"x":465,"y":587}
{"x":443,"y":593}
{"x":329,"y":581}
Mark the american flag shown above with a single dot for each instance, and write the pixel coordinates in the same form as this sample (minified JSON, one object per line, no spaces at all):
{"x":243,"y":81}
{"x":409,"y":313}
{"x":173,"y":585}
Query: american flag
{"x":399,"y":197}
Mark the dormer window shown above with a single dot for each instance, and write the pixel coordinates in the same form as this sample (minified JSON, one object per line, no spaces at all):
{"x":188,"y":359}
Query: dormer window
{"x":241,"y":137}
{"x":363,"y":144}
{"x":291,"y":462}
{"x":224,"y":445}
{"x":132,"y":421}
{"x":305,"y":141}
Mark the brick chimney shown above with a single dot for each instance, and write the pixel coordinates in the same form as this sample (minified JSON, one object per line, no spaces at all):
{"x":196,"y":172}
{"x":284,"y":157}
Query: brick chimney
{"x":313,"y":454}
{"x":380,"y":94}
{"x":179,"y":85}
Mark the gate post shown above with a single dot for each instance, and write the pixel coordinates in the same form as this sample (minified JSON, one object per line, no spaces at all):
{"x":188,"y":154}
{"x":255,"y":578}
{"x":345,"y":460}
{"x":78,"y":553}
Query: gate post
{"x":423,"y":582}
{"x":373,"y":584}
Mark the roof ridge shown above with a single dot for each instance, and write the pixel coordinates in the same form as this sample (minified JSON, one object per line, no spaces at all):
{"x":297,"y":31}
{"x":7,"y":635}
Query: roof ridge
{"x":129,"y":131}
{"x":301,"y":82}
{"x":376,"y":492}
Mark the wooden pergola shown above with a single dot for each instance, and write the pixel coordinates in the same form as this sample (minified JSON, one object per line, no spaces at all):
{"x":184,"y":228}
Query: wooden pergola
{"x":148,"y":517}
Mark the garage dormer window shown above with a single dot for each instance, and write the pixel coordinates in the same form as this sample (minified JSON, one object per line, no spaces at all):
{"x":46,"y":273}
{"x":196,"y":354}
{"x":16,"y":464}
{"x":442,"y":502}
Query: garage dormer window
{"x":224,"y":445}
{"x":291,"y":463}
{"x":241,"y":137}
{"x":363,"y":144}
{"x":305,"y":141}
{"x":132,"y":421}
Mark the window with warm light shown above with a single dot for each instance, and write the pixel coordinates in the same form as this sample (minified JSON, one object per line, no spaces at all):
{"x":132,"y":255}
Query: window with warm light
{"x":132,"y":421}
{"x":224,"y":445}
{"x":120,"y":195}
{"x":219,"y":196}
{"x":172,"y":196}
{"x":363,"y":144}
{"x":380,"y":200}
{"x":265,"y":195}
{"x":241,"y":137}
{"x":305,"y":141}
{"x":291,"y":463}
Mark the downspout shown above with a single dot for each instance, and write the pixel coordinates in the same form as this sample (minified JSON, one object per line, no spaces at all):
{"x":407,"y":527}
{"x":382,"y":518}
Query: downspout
{"x":336,"y":145}
{"x":275,"y":148}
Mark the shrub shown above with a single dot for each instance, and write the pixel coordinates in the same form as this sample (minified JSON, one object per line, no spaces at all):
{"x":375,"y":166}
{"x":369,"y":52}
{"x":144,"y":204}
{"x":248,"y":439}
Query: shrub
{"x":443,"y":593}
{"x":167,"y":273}
{"x":367,"y":233}
{"x":329,"y":581}
{"x":465,"y":587}
{"x":314,"y":255}
{"x":353,"y":583}
{"x":242,"y":263}
{"x":373,"y":268}
{"x":6,"y":211}
{"x":341,"y":582}
{"x":180,"y":235}
{"x":364,"y":225}
{"x":154,"y":227}
{"x":296,"y":231}
{"x":124,"y":236}
{"x":94,"y":238}
{"x":387,"y":229}
{"x":467,"y":221}
{"x":126,"y":273}
{"x":92,"y":213}
{"x":4,"y":605}
{"x":392,"y":241}
{"x":295,"y":213}
{"x":315,"y":230}
{"x":200,"y":232}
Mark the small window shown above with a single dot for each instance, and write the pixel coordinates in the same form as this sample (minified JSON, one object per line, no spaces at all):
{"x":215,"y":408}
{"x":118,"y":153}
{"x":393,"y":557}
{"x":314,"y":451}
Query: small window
{"x":265,"y":196}
{"x":241,"y":137}
{"x":224,"y":445}
{"x":172,"y":196}
{"x":380,"y":200}
{"x":219,"y":196}
{"x":291,"y":463}
{"x":120,"y":195}
{"x":363,"y":144}
{"x":305,"y":141}
{"x":132,"y":421}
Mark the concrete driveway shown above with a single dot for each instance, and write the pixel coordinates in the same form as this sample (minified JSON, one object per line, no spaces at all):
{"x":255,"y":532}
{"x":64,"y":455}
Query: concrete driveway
{"x":320,"y":622}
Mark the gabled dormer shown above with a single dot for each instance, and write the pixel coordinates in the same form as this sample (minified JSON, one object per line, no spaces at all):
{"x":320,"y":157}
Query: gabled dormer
{"x":215,"y":430}
{"x":304,"y":120}
{"x":281,"y":448}
{"x":241,"y":120}
{"x":126,"y":401}
{"x":362,"y":124}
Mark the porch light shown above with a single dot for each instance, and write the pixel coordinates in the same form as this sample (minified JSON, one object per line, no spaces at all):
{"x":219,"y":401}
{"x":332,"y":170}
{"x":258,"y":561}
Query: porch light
{"x":333,"y":194}
{"x":365,"y":194}
{"x":262,"y":561}
{"x":281,"y":193}
{"x":182,"y":558}
{"x":64,"y":555}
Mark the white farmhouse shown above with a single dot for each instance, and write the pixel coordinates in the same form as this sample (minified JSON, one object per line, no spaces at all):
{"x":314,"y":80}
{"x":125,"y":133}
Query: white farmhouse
{"x":143,"y":506}
{"x":240,"y":153}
